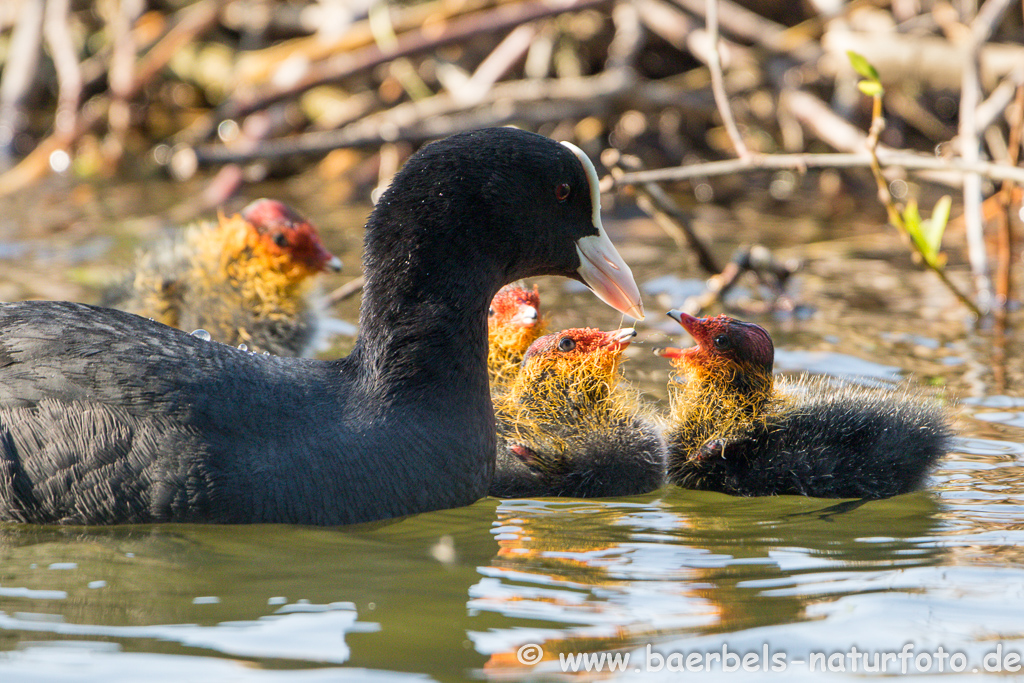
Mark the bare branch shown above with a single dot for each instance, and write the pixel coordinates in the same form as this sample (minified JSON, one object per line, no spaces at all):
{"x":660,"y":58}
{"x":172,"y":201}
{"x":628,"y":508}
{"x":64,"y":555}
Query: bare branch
{"x":718,"y":83}
{"x":65,"y":62}
{"x":800,"y":162}
{"x":526,"y":101}
{"x":19,"y":71}
{"x":970,"y":151}
{"x":348,"y":63}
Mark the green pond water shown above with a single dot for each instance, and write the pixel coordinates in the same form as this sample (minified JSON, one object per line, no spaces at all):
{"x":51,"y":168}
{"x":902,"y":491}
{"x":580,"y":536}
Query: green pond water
{"x":774,"y":588}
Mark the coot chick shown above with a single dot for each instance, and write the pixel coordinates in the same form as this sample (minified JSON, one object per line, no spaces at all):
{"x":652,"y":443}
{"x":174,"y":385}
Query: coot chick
{"x":107,"y":417}
{"x":568,"y":427}
{"x":737,"y":429}
{"x":513,"y":323}
{"x":245,"y":279}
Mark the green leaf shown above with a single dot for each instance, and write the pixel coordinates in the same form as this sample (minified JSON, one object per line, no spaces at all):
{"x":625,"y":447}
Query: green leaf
{"x":936,"y":225}
{"x":871,"y":88}
{"x":927,"y":235}
{"x":912,"y":221}
{"x":912,"y":217}
{"x":862,"y":66}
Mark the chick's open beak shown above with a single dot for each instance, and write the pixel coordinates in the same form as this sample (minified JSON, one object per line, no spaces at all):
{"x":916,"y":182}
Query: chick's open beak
{"x":617,"y":340}
{"x":689,"y":323}
{"x":622,"y":338}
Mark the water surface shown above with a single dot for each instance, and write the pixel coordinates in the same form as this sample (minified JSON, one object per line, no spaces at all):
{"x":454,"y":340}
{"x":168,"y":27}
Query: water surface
{"x":502,"y":589}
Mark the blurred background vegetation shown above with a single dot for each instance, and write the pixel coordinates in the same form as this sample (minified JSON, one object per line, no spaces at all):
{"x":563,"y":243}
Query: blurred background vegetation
{"x":225,"y":93}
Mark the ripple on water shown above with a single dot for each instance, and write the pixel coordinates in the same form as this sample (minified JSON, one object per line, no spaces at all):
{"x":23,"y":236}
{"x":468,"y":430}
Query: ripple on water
{"x":89,"y":661}
{"x":681,"y":570}
{"x":312,"y":633}
{"x":980,"y":446}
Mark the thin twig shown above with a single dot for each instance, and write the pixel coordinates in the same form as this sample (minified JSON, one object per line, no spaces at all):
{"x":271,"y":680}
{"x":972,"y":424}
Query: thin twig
{"x":825,"y":124}
{"x":65,"y":62}
{"x":987,"y":19}
{"x":19,"y":72}
{"x":756,"y":259}
{"x":121,"y":74}
{"x":386,"y":40}
{"x":190,"y":23}
{"x":996,"y":103}
{"x":970,"y":150}
{"x":1004,"y":270}
{"x":718,"y":83}
{"x":496,"y":64}
{"x":261,"y":66}
{"x":801,"y":162}
{"x":745,"y":24}
{"x":656,"y":203}
{"x":346,"y":291}
{"x":629,"y":38}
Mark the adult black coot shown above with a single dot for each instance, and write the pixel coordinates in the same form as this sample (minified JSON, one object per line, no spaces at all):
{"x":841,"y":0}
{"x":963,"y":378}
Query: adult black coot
{"x":569,"y":427}
{"x":107,"y":417}
{"x":737,"y":429}
{"x":246,"y":279}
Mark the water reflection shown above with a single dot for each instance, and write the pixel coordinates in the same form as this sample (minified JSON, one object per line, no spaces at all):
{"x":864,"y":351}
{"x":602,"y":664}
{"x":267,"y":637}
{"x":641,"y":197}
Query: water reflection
{"x":70,"y":662}
{"x":608,"y":576}
{"x":455,"y":594}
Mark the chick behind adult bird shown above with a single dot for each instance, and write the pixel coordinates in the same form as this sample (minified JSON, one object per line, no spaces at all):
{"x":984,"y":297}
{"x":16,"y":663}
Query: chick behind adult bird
{"x":513,"y":323}
{"x":246,"y":279}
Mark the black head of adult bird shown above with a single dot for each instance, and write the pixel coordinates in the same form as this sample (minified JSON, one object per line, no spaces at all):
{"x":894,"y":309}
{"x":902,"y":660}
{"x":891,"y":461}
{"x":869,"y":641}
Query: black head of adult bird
{"x":106,"y":417}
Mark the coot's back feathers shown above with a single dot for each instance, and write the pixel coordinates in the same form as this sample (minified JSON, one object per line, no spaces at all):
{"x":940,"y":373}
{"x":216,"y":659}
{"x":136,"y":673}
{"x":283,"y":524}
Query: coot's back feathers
{"x":106,"y":417}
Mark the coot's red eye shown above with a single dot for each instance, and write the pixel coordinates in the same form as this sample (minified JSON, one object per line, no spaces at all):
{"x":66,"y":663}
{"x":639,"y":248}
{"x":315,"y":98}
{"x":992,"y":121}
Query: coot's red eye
{"x":562,"y":192}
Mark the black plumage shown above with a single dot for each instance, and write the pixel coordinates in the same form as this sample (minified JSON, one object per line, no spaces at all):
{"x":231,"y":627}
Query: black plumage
{"x":107,"y":417}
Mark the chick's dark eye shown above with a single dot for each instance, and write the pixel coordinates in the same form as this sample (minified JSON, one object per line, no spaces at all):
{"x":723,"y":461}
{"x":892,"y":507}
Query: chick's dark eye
{"x":281,"y":240}
{"x":722,"y":341}
{"x":566,"y":344}
{"x":562,"y":191}
{"x":490,"y":312}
